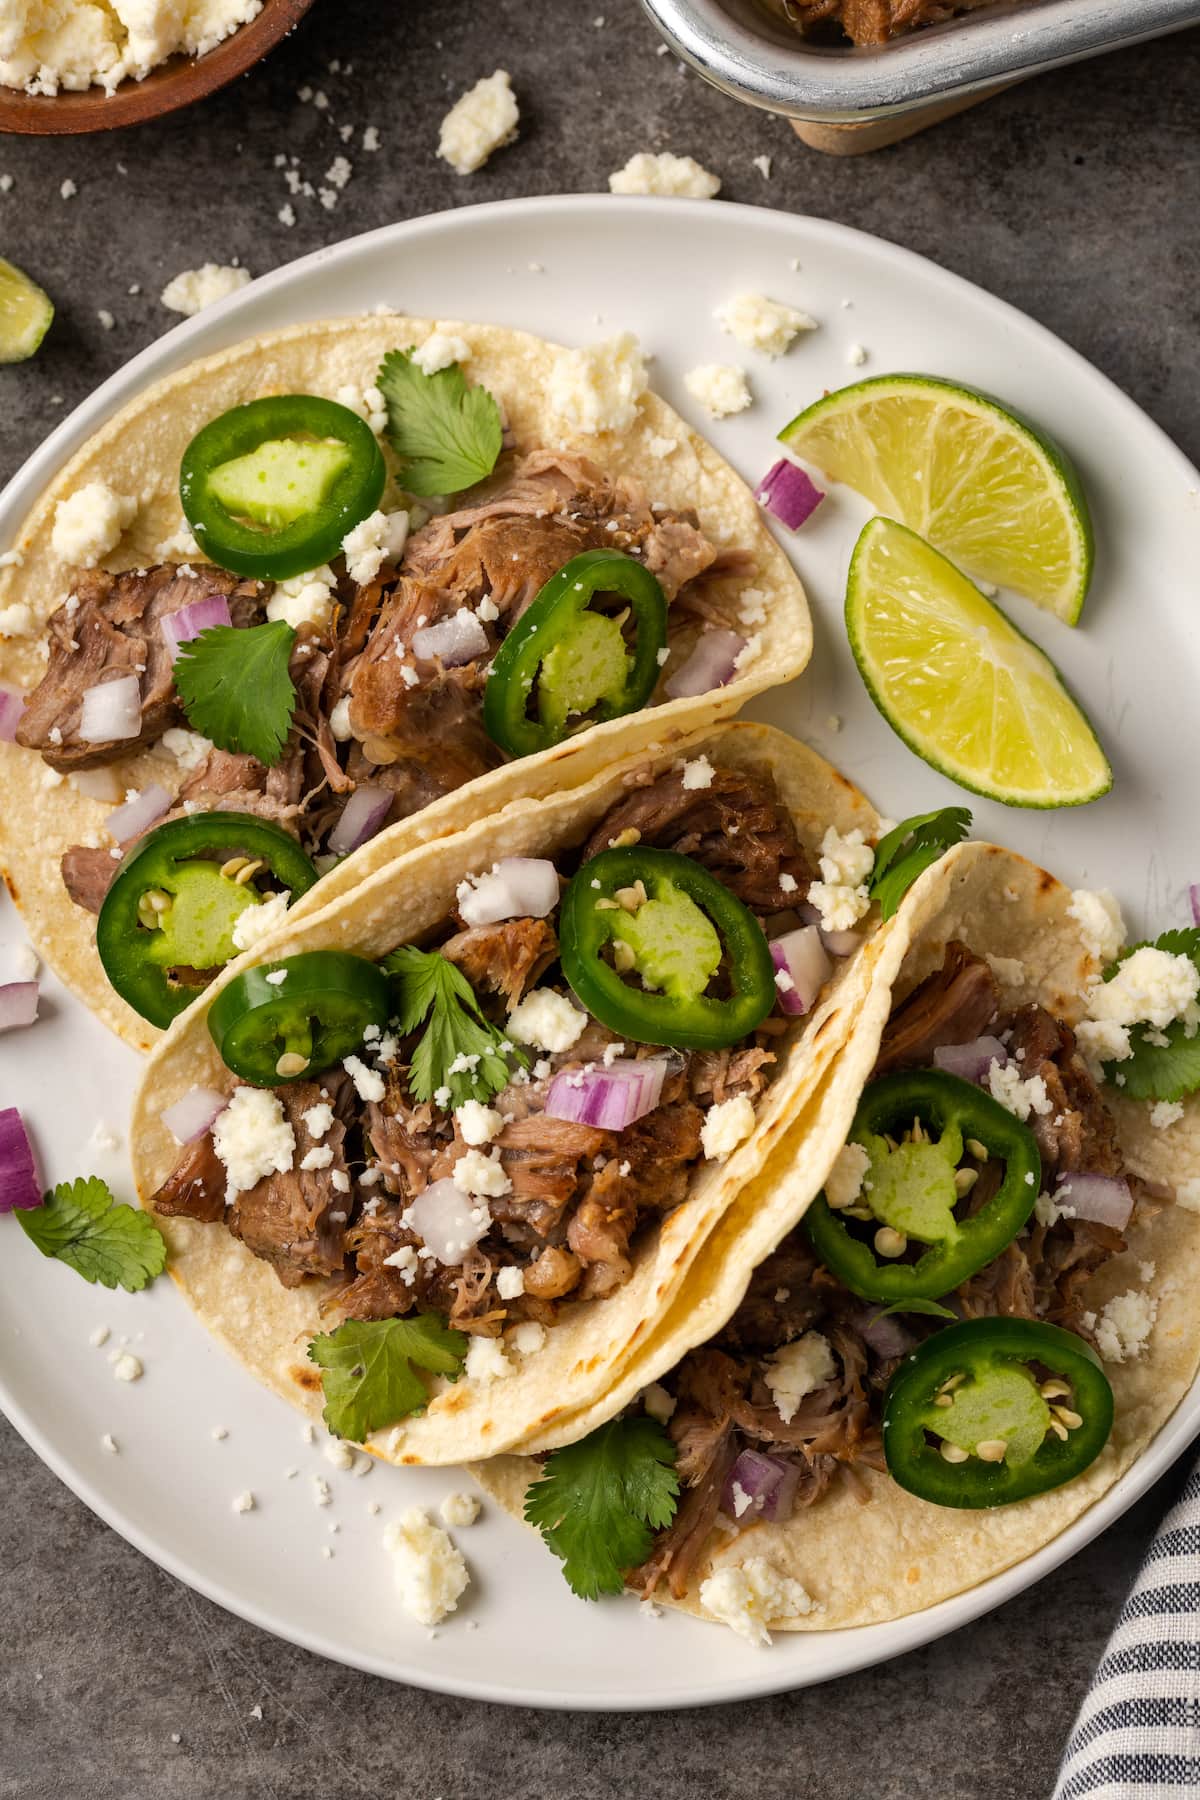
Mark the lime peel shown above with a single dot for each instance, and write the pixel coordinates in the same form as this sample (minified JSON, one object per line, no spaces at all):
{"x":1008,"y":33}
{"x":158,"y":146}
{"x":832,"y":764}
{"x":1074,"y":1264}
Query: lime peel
{"x":25,"y":314}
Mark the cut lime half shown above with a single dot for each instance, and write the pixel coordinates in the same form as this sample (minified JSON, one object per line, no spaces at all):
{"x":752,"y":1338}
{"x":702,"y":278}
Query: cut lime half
{"x":983,"y":485}
{"x":964,"y":688}
{"x":25,"y":314}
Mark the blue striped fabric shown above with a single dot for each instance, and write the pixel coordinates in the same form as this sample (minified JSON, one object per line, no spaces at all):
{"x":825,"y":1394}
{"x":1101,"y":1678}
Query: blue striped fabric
{"x":1138,"y":1731}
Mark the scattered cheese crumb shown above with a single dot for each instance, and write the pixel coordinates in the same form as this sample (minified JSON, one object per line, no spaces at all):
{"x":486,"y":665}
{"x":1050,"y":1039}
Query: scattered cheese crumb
{"x":128,"y":1367}
{"x":658,"y":1403}
{"x":244,"y":1503}
{"x":460,"y":1509}
{"x":253,"y":926}
{"x":597,"y":388}
{"x":753,"y":1595}
{"x":721,"y":388}
{"x":478,"y":1124}
{"x":1165,"y":1112}
{"x":194,"y":289}
{"x":844,"y":1182}
{"x":1124,"y":1326}
{"x":486,"y":1361}
{"x":682,"y":177}
{"x":440,"y":350}
{"x":369,"y":1085}
{"x":798,"y":1369}
{"x":1099,"y":917}
{"x":726,"y":1125}
{"x":429,"y":1572}
{"x":483,"y":119}
{"x":698,"y":773}
{"x":89,"y":522}
{"x":253,"y":1138}
{"x":761,"y":324}
{"x":510,"y":1282}
{"x":1019,"y":1097}
{"x":528,"y":1337}
{"x":546,"y":1020}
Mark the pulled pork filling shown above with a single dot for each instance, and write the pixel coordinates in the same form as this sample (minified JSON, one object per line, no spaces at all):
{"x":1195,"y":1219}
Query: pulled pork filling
{"x":573,"y":1197}
{"x":724,"y":1401}
{"x":370,"y":711}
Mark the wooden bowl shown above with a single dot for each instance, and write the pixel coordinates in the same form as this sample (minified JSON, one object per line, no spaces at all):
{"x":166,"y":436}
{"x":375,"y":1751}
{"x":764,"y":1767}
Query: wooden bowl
{"x":173,"y":84}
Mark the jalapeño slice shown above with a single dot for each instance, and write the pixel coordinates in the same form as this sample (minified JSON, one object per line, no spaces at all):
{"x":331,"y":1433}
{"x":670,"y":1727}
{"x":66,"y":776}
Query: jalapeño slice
{"x":1022,"y":1406}
{"x":669,"y":924}
{"x":566,"y":664}
{"x":274,"y":1032}
{"x":171,"y":907}
{"x":913,"y":1188}
{"x":271,"y":488}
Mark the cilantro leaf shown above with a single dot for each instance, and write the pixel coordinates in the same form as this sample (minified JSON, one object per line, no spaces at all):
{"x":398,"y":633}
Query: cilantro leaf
{"x":911,"y":848}
{"x":447,"y":435}
{"x":1160,"y":1070}
{"x":236,"y":688}
{"x":426,"y":986}
{"x":103,"y":1240}
{"x":600,"y":1501}
{"x":367,"y":1369}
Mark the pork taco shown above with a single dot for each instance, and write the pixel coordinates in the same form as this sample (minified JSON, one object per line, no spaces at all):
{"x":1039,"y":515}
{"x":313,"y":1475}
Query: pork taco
{"x":440,"y":1161}
{"x":979,"y":1324}
{"x":332,"y":593}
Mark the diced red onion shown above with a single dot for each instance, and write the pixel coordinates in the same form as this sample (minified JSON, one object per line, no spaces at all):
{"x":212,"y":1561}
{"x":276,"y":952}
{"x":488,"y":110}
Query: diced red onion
{"x":768,"y":1482}
{"x":788,"y":494}
{"x":1193,"y":895}
{"x":971,"y":1061}
{"x":12,"y":705}
{"x":139,"y":814}
{"x":98,"y":784}
{"x":841,"y":943}
{"x":197,"y":616}
{"x":712,"y":664}
{"x":609,"y":1098}
{"x":452,"y":641}
{"x":443,"y":1217}
{"x":19,"y":1184}
{"x":362,"y":816}
{"x":1102,"y":1199}
{"x":111,"y":710}
{"x":517,"y":887}
{"x":887,"y":1335}
{"x":189,"y":1118}
{"x":18,"y":1004}
{"x":800,"y":956}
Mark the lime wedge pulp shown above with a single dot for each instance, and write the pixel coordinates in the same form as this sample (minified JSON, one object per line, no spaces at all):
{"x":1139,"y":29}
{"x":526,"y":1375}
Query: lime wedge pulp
{"x":964,"y":688}
{"x":983,"y":485}
{"x":25,"y":314}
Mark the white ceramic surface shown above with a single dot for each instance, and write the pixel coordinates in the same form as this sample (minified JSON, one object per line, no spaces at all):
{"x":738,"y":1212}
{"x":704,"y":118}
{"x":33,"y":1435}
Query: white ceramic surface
{"x":576,"y":269}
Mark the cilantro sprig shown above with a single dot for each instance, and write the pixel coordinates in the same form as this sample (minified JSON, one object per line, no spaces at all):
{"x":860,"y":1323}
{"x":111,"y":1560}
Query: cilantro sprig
{"x":600,"y":1501}
{"x":236,"y":688}
{"x":447,"y":435}
{"x":911,"y":848}
{"x":1160,"y":1070}
{"x":79,"y":1223}
{"x":368,"y":1369}
{"x":425,"y":986}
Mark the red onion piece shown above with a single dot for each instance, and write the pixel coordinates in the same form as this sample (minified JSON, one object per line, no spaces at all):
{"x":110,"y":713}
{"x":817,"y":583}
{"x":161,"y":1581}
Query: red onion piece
{"x":197,"y":616}
{"x":609,"y":1098}
{"x":98,"y":784}
{"x":888,"y":1336}
{"x":452,"y":641}
{"x":768,"y":1482}
{"x":443,"y":1217}
{"x":801,"y":958}
{"x":712,"y":664}
{"x":971,"y":1061}
{"x":517,"y":887}
{"x":788,"y":494}
{"x":139,"y":814}
{"x":18,"y":1004}
{"x":1193,"y":895}
{"x":362,"y":816}
{"x":1103,"y":1199}
{"x":19,"y":1184}
{"x":12,"y":705}
{"x":190,"y":1117}
{"x":111,"y":710}
{"x":841,"y":943}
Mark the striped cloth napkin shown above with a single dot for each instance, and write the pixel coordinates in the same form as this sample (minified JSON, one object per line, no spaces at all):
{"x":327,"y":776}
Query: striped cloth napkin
{"x":1137,"y":1736}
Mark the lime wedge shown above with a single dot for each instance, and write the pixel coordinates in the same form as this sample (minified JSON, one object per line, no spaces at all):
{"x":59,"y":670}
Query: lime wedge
{"x":964,"y":688}
{"x":980,"y":483}
{"x":25,"y":314}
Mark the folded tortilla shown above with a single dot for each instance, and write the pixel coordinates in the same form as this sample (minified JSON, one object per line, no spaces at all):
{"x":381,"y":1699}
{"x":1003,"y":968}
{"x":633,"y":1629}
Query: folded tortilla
{"x":138,"y":453}
{"x":268,"y":1327}
{"x":896,"y":1554}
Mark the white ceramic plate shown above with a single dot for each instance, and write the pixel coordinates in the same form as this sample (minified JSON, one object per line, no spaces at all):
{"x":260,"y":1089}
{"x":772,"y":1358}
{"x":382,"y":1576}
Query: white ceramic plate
{"x":575,"y":269}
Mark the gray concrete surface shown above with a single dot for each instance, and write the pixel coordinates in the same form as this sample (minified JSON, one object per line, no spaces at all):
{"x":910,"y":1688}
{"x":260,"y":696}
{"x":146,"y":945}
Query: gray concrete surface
{"x":1074,"y":197}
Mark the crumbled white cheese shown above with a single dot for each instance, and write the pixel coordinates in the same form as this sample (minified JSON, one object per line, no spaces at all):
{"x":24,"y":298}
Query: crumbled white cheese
{"x":460,"y":1509}
{"x":52,"y":45}
{"x":368,"y":1083}
{"x":1099,"y":917}
{"x":486,"y":1360}
{"x":597,"y":388}
{"x":194,"y":289}
{"x":89,"y":522}
{"x":128,"y":1367}
{"x":440,"y":350}
{"x":761,"y":324}
{"x":429,"y":1572}
{"x":478,"y":1124}
{"x":367,"y":402}
{"x":1047,"y":1211}
{"x":546,"y":1020}
{"x":1102,"y":1041}
{"x":698,"y":773}
{"x":681,"y":177}
{"x":1151,"y":987}
{"x":528,"y":1337}
{"x":476,"y":1173}
{"x":377,"y":539}
{"x":510,"y":1282}
{"x":841,"y":897}
{"x":480,"y":121}
{"x":856,"y":355}
{"x":253,"y":1138}
{"x":187,"y":747}
{"x":404,"y":1261}
{"x":340,"y":1454}
{"x":1020,"y":1097}
{"x":17,"y":620}
{"x":256,"y":924}
{"x":753,"y":1595}
{"x":318,"y":1119}
{"x":798,"y":1369}
{"x":1124,"y":1326}
{"x":1165,"y":1112}
{"x":1009,"y":971}
{"x":319,"y":1157}
{"x":843,"y":1184}
{"x":304,"y":599}
{"x":725,"y":1126}
{"x":339,"y":720}
{"x":243,"y":1503}
{"x":658,"y":1403}
{"x":721,"y":388}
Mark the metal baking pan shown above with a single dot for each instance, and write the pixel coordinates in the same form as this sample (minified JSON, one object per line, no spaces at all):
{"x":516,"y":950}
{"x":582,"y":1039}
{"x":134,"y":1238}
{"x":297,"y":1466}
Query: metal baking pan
{"x":748,"y":52}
